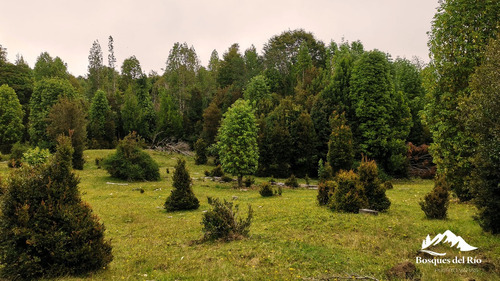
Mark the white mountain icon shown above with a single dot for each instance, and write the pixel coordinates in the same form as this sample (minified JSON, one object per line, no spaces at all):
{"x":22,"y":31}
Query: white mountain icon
{"x":450,"y":238}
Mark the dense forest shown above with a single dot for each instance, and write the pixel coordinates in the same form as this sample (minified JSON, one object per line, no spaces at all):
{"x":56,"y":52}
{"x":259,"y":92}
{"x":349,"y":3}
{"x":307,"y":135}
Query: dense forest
{"x":300,"y":89}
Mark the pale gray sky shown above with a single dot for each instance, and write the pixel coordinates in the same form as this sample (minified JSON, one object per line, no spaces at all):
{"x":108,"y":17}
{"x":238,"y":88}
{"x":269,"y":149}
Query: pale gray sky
{"x":149,"y":28}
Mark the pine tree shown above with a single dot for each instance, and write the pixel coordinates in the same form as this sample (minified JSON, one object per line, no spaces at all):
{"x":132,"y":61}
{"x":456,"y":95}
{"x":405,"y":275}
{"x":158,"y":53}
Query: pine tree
{"x":68,"y":117}
{"x":46,"y":230}
{"x":182,"y":196}
{"x":101,"y":125}
{"x":340,"y":147}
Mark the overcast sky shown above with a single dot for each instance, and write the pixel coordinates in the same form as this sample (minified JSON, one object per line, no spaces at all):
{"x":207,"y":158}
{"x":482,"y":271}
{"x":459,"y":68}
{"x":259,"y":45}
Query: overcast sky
{"x":149,"y":28}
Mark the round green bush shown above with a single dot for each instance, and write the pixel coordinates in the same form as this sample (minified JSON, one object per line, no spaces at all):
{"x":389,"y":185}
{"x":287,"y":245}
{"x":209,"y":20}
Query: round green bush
{"x":131,"y":163}
{"x":266,"y":190}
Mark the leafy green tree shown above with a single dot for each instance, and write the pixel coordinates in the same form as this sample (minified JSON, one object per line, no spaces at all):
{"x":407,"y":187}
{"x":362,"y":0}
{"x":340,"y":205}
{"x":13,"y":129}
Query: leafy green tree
{"x":460,"y":32}
{"x":180,"y":73}
{"x":69,"y":117}
{"x":101,"y":127}
{"x":237,"y":141}
{"x":19,"y":77}
{"x":483,"y":123}
{"x":11,"y":119}
{"x":3,"y":54}
{"x":408,"y":80}
{"x":131,"y":71}
{"x":280,"y":54}
{"x":46,"y":230}
{"x":340,"y":147}
{"x":253,"y":63}
{"x":46,"y":93}
{"x":182,"y":196}
{"x":48,"y":67}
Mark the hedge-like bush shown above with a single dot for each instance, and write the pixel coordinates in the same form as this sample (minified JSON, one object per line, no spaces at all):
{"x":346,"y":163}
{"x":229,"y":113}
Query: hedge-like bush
{"x":325,"y":192}
{"x":372,"y":185}
{"x":349,"y":196}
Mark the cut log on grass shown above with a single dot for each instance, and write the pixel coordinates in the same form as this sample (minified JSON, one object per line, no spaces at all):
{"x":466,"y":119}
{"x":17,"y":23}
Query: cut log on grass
{"x":368,"y":211}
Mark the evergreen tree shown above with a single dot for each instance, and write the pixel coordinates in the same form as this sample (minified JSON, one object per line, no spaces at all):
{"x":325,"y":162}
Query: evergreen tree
{"x":48,"y":67}
{"x":237,"y":141}
{"x":111,"y":64}
{"x":95,"y":69}
{"x":101,"y":129}
{"x":11,"y":119}
{"x":68,"y":117}
{"x":340,"y":147}
{"x":169,"y":119}
{"x":232,"y":70}
{"x":182,"y":196}
{"x":212,"y":116}
{"x":483,"y":123}
{"x":201,"y":152}
{"x":46,"y":230}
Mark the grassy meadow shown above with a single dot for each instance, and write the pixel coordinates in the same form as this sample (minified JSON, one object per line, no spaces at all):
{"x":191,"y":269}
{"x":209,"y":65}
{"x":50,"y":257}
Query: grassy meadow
{"x":291,"y":237}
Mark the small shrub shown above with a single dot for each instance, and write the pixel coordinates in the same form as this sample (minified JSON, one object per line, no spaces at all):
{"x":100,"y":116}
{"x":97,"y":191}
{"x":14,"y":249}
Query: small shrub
{"x":16,"y":155}
{"x":292,"y":182}
{"x":266,"y":190}
{"x":249,"y":181}
{"x":182,"y":196}
{"x":222,"y":221}
{"x":325,"y":192}
{"x":130,"y":162}
{"x":370,"y":182}
{"x":200,"y":147}
{"x":307,"y":179}
{"x":388,"y":185}
{"x":217,"y":171}
{"x":272,"y":181}
{"x":98,"y":162}
{"x":278,"y":191}
{"x":435,"y":203}
{"x":349,"y":196}
{"x":225,"y":178}
{"x":36,"y":156}
{"x":168,"y":171}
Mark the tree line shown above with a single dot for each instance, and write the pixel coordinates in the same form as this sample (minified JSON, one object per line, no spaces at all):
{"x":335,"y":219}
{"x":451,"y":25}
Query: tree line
{"x":298,"y":86}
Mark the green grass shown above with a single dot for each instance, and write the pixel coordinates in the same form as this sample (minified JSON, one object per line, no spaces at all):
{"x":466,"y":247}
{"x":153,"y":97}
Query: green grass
{"x":291,"y":237}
